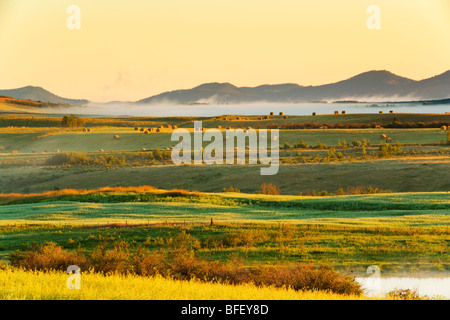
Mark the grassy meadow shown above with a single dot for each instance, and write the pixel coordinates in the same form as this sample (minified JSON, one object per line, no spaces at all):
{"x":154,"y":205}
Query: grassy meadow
{"x":346,"y":205}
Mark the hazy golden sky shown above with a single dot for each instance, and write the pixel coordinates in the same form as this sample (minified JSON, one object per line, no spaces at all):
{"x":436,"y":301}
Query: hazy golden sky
{"x":129,"y":50}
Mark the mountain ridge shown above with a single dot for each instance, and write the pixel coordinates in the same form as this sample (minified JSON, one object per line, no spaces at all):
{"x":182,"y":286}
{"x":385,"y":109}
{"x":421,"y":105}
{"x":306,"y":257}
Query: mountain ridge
{"x":380,"y":84}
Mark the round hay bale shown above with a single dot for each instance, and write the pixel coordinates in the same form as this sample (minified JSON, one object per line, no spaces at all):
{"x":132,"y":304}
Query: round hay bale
{"x":136,"y":128}
{"x":281,"y":113}
{"x":84,"y":130}
{"x":146,"y":132}
{"x":174,"y":127}
{"x":388,"y":140}
{"x":383,"y":136}
{"x":380,"y":111}
{"x":336,"y":112}
{"x":158,"y":130}
{"x":391,"y":111}
{"x":444,"y":128}
{"x":116,"y":136}
{"x":272,"y":113}
{"x":101,"y":150}
{"x":314,"y":113}
{"x":143,"y":149}
{"x":141,"y":129}
{"x":285,"y":117}
{"x":343,"y":112}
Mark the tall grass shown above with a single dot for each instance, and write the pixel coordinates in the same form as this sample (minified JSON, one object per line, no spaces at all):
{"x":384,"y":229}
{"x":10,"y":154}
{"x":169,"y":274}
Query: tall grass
{"x":184,"y":264}
{"x":18,"y":284}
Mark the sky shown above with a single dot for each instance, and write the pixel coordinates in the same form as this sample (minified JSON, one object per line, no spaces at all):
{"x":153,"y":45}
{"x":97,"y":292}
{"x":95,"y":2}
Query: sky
{"x":130,"y":50}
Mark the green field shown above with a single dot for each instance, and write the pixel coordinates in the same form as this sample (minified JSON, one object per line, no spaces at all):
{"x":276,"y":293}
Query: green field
{"x":28,"y":140}
{"x":400,"y":232}
{"x":402,"y":227}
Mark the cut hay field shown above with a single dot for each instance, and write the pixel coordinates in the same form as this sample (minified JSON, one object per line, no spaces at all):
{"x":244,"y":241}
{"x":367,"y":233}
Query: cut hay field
{"x":45,"y":139}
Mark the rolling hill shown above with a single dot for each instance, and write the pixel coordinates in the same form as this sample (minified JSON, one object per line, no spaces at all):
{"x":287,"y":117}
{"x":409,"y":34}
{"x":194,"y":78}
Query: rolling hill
{"x":40,"y":94}
{"x":379,"y":84}
{"x":372,"y":84}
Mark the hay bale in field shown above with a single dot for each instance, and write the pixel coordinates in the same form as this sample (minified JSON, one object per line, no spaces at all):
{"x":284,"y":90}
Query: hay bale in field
{"x":444,"y":128}
{"x":391,"y":111}
{"x":343,"y":112}
{"x":84,"y":130}
{"x":174,"y":127}
{"x":146,"y":132}
{"x":285,"y":117}
{"x":383,"y":136}
{"x":169,"y":126}
{"x":136,"y":128}
{"x":380,"y":111}
{"x":143,"y":149}
{"x":377,"y":126}
{"x":116,"y":137}
{"x":336,"y":112}
{"x":101,"y":150}
{"x":158,"y":130}
{"x":141,"y":129}
{"x":281,"y":113}
{"x":266,"y":117}
{"x":238,"y":118}
{"x":272,"y":113}
{"x":388,"y":140}
{"x":219,"y":127}
{"x":314,"y":113}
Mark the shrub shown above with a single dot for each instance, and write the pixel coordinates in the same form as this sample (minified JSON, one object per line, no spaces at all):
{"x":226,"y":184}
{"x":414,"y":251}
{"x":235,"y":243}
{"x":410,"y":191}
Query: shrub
{"x":270,"y":189}
{"x":72,"y":158}
{"x":320,"y":145}
{"x":301,"y":144}
{"x":72,"y":121}
{"x":48,"y":256}
{"x":231,"y":189}
{"x":405,"y":294}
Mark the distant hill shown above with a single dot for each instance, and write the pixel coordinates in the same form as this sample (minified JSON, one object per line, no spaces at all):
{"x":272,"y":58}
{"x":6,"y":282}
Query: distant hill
{"x":381,"y":85}
{"x":368,"y":85}
{"x":39,"y":94}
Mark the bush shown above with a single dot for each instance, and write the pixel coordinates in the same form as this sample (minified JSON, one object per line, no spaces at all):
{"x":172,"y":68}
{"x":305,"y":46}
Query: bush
{"x":405,"y":294}
{"x":301,"y":144}
{"x":48,"y":256}
{"x":182,"y":263}
{"x":231,"y":189}
{"x":270,"y":189}
{"x":69,"y":158}
{"x":72,"y":121}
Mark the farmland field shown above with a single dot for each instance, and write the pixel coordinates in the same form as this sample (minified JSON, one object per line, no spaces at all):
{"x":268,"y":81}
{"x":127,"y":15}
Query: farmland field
{"x":346,"y":205}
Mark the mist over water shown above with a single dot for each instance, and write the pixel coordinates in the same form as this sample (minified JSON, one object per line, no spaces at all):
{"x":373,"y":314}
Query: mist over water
{"x":209,"y":110}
